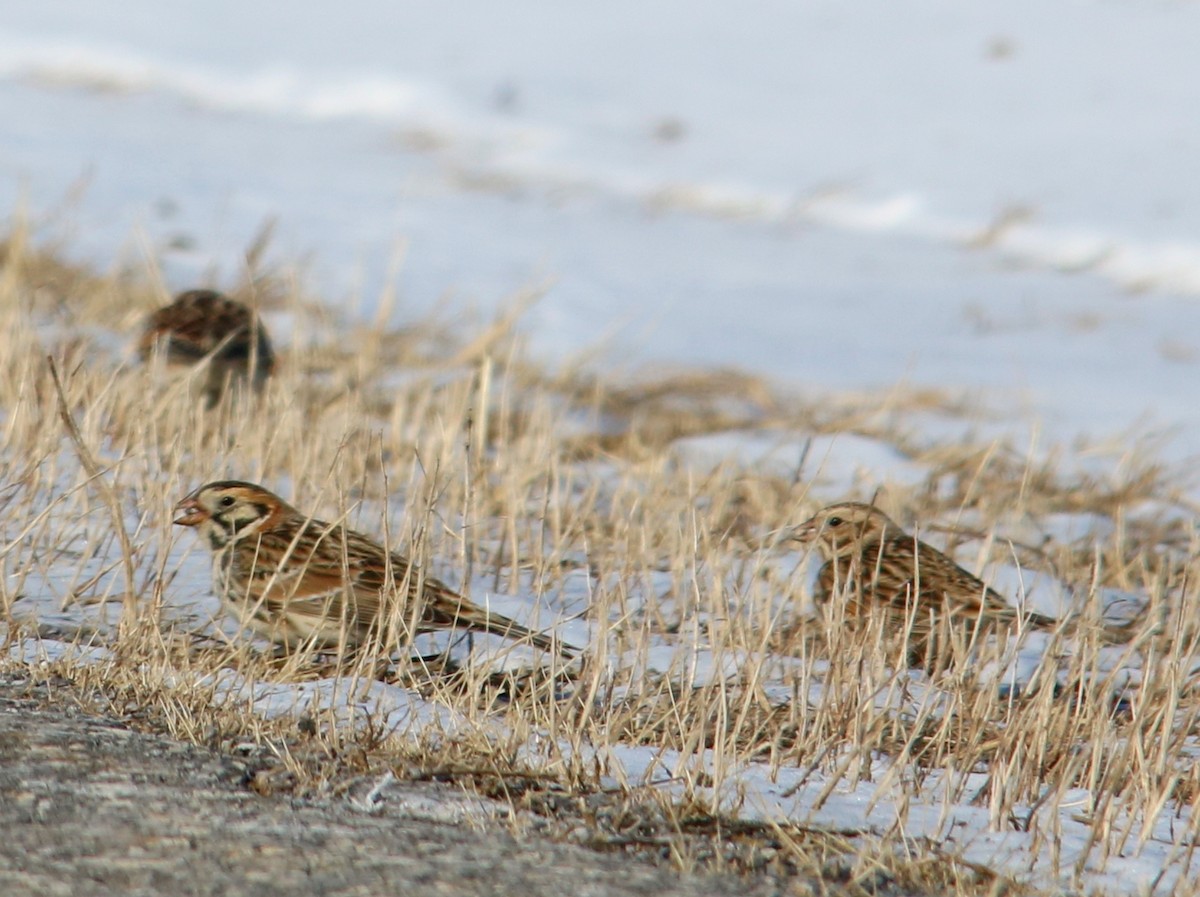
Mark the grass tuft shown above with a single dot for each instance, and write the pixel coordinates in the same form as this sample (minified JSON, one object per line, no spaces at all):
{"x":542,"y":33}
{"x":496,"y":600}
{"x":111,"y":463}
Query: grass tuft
{"x":619,"y":508}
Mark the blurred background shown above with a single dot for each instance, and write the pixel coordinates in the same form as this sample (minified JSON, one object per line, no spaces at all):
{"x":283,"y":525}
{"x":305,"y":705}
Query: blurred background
{"x":995,"y":200}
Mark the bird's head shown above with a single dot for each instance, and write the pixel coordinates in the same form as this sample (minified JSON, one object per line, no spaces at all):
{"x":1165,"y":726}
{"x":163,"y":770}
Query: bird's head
{"x":842,"y":529}
{"x":229,"y":509}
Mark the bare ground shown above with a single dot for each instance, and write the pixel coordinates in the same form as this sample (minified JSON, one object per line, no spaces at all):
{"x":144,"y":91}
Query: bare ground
{"x":90,"y":806}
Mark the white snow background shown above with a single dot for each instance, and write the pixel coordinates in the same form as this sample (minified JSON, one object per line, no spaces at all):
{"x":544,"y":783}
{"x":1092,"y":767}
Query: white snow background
{"x":994,"y":198}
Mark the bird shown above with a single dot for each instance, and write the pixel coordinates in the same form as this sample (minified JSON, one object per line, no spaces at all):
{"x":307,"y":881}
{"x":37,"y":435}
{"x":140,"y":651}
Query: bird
{"x":878,"y":566}
{"x":205,"y":325}
{"x":303,"y":583}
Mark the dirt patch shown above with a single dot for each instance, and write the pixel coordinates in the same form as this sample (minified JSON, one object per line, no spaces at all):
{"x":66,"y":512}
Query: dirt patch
{"x":89,"y":805}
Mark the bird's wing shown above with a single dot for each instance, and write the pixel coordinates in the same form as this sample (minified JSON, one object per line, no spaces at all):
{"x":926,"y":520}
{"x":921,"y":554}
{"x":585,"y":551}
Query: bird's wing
{"x":964,"y":592}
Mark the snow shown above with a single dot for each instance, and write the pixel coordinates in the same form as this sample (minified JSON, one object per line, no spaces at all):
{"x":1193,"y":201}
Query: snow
{"x":875,"y":800}
{"x":989,"y":199}
{"x":997,"y":201}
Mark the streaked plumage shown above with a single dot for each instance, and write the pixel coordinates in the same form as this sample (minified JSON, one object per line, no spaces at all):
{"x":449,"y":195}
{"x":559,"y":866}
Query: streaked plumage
{"x":880,"y":567}
{"x":204,"y":325}
{"x":301,"y":582}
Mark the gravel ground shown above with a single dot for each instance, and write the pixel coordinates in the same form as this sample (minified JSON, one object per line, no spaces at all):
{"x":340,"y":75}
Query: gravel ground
{"x":89,"y":806}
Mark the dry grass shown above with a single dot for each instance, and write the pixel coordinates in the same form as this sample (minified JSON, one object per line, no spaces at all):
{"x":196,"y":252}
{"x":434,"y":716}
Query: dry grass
{"x":445,"y":439}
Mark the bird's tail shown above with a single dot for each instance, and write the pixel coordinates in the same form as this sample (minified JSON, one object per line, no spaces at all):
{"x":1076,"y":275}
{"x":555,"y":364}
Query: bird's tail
{"x":448,"y":609}
{"x":1110,"y":633}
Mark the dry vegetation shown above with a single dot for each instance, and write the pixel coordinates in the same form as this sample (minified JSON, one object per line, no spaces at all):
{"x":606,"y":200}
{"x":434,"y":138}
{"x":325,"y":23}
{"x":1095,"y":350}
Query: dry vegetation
{"x":445,"y":438}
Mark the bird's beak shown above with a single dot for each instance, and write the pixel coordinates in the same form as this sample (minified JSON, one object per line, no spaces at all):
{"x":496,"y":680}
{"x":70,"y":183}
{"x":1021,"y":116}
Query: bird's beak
{"x":805,"y":532}
{"x":190,"y":512}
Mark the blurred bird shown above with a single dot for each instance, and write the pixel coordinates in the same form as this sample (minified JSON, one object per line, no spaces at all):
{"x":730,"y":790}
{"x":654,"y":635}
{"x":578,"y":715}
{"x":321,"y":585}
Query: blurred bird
{"x":877,"y":566}
{"x":300,"y":582}
{"x":204,"y":326}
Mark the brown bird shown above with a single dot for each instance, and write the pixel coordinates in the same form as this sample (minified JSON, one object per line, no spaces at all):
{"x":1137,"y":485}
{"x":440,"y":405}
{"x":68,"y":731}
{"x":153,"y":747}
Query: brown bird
{"x":922,"y":592}
{"x":300,"y":582}
{"x":204,"y":325}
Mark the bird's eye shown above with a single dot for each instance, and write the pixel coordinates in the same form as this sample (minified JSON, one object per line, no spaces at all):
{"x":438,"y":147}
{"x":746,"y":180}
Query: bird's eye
{"x":834,"y":521}
{"x":227,"y":501}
